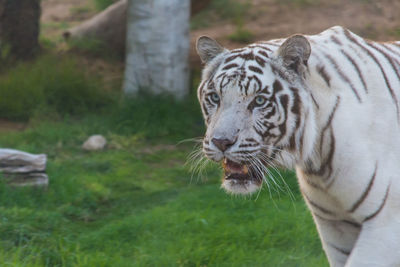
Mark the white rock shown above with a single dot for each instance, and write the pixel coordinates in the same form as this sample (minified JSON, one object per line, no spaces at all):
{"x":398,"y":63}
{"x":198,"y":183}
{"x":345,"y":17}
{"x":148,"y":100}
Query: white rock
{"x":95,"y":142}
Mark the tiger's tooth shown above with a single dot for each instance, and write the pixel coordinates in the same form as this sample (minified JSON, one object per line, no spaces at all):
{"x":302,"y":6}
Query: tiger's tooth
{"x":245,"y":169}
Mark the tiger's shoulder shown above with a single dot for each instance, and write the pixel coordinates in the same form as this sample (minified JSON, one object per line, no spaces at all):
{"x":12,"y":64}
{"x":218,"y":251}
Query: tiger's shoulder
{"x":337,"y":38}
{"x":342,"y":60}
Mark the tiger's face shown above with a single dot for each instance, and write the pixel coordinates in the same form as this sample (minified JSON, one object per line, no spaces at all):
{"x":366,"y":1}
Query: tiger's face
{"x":251,"y":100}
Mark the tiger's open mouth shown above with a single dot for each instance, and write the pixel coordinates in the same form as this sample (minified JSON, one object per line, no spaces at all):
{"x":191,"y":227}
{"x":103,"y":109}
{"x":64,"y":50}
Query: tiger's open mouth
{"x":240,"y":178}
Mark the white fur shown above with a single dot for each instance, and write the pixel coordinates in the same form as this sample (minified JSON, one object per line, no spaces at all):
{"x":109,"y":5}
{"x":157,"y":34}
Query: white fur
{"x":364,"y":131}
{"x":233,"y":187}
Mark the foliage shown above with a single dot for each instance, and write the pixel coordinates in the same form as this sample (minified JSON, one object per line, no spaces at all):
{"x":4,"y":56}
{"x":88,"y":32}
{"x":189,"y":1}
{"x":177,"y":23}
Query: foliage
{"x":159,"y":116}
{"x":54,"y":84}
{"x":232,"y":10}
{"x":229,"y":9}
{"x":103,"y":4}
{"x":5,"y":52}
{"x":242,"y":35}
{"x":135,"y":204}
{"x":300,"y":3}
{"x":91,"y":47}
{"x":77,"y":10}
{"x":62,"y":25}
{"x":56,"y":87}
{"x":395,"y":32}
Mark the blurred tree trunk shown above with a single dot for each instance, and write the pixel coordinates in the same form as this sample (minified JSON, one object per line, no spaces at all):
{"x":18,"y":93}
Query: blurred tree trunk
{"x":109,"y":26}
{"x":157,"y":47}
{"x":19,"y":27}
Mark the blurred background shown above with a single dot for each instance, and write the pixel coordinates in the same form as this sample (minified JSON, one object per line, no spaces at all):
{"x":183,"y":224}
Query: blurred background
{"x":145,"y":199}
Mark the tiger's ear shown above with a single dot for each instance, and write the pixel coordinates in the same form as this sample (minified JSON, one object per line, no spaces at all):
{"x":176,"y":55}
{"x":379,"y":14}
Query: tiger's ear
{"x":208,"y":48}
{"x":295,"y":52}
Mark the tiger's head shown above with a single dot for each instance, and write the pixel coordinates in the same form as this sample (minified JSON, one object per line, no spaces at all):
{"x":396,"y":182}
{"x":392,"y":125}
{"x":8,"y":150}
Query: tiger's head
{"x":253,"y":103}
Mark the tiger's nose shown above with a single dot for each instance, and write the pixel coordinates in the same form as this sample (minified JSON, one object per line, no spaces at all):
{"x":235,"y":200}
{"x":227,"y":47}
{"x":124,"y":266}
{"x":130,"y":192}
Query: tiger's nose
{"x":223,"y":143}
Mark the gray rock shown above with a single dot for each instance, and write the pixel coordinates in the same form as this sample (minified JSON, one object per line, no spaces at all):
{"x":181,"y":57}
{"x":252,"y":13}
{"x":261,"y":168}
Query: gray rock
{"x":95,"y":142}
{"x":39,"y":179}
{"x":19,"y":168}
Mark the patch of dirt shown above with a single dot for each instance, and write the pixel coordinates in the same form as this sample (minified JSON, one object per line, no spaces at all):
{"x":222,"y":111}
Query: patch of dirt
{"x":59,"y":15}
{"x":66,"y":10}
{"x":266,"y":19}
{"x":10,"y":126}
{"x":270,"y":19}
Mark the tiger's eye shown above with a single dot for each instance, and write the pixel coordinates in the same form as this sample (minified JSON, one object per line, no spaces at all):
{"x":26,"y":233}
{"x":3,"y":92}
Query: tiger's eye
{"x":215,"y":97}
{"x":260,"y":100}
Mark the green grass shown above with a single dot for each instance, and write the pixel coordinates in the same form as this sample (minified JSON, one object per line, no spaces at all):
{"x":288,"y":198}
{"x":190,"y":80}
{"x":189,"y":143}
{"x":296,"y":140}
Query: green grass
{"x":395,"y":32}
{"x":80,"y":10}
{"x":135,"y":204}
{"x":51,"y":85}
{"x":242,"y":35}
{"x":103,"y":4}
{"x":54,"y":26}
{"x":220,"y":10}
{"x":92,"y":47}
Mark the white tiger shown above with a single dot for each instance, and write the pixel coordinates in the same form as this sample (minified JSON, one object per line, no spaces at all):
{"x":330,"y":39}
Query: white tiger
{"x":326,"y":105}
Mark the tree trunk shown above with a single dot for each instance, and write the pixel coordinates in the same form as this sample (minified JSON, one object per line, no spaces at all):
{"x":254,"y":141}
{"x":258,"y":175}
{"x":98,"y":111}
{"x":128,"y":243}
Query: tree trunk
{"x":157,"y":47}
{"x":19,"y":27}
{"x":109,"y":26}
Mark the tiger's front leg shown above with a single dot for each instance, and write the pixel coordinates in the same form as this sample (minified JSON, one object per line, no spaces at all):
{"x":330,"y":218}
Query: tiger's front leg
{"x":379,"y":240}
{"x":338,"y":238}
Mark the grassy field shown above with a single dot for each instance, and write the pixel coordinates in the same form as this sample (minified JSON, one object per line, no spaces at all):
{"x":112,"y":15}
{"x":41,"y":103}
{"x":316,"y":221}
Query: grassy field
{"x":137,"y":204}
